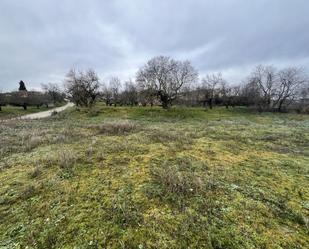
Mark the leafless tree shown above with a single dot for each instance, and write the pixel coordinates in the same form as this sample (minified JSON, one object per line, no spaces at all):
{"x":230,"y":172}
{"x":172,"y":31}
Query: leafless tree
{"x":130,"y":94}
{"x":226,"y":94}
{"x":54,"y":92}
{"x":263,"y":80}
{"x":291,"y":82}
{"x":166,"y":77}
{"x":82,"y":87}
{"x":146,"y":96}
{"x":211,"y":88}
{"x":115,"y":87}
{"x":270,"y":89}
{"x":107,"y":95}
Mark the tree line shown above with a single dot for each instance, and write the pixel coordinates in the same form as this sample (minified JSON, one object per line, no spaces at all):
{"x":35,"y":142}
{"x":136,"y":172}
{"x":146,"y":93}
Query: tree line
{"x":166,"y":82}
{"x":51,"y":94}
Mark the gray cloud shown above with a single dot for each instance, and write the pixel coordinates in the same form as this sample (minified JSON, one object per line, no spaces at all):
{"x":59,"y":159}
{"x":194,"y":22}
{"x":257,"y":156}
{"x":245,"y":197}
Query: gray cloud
{"x":40,"y":39}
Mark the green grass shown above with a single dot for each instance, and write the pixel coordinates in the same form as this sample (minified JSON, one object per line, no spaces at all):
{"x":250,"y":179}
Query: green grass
{"x":150,"y":178}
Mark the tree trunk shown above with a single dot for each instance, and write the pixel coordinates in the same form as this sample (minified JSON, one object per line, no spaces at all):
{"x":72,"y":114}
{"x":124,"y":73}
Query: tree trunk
{"x":165,"y":101}
{"x":210,"y":103}
{"x":165,"y":105}
{"x":280,"y":106}
{"x":25,"y":107}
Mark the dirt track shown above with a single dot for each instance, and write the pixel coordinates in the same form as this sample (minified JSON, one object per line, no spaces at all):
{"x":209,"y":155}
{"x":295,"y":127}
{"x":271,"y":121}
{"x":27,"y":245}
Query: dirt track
{"x":44,"y":114}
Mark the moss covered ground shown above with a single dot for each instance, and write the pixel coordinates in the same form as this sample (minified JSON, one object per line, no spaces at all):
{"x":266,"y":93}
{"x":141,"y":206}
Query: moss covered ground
{"x":150,"y":178}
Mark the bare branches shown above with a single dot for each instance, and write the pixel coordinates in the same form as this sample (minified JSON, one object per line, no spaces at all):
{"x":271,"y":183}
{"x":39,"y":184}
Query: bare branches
{"x":274,"y":89}
{"x":83,"y":87}
{"x":166,"y":77}
{"x":211,"y":87}
{"x":54,"y":92}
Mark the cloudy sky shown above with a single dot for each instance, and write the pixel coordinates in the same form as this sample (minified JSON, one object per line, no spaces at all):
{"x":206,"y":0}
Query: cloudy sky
{"x":40,"y":40}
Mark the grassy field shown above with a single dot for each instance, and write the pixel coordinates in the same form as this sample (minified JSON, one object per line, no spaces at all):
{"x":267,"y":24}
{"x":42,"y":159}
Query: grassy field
{"x":151,"y":178}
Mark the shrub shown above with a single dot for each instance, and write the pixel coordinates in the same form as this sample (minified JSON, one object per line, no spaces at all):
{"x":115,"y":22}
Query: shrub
{"x":66,"y":159}
{"x":177,"y":182}
{"x":33,"y":142}
{"x":117,"y":128}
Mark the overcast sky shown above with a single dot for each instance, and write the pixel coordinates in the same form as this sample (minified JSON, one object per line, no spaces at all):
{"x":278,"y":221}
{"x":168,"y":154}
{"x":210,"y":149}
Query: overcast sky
{"x":40,"y":40}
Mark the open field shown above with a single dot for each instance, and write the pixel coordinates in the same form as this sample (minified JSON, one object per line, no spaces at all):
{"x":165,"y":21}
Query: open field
{"x":150,"y":178}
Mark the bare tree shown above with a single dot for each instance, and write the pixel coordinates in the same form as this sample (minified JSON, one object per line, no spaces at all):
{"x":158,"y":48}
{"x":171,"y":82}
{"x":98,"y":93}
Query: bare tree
{"x":211,"y":88}
{"x":54,"y":92}
{"x":166,"y":77}
{"x":291,"y":82}
{"x":115,"y":86}
{"x":263,"y":80}
{"x":107,"y":95}
{"x":130,"y":94}
{"x":226,"y":94}
{"x":82,"y":87}
{"x":146,"y":96}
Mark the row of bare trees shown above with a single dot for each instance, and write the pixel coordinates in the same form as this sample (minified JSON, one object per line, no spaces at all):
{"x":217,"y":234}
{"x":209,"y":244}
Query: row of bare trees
{"x":162,"y":80}
{"x":165,"y":81}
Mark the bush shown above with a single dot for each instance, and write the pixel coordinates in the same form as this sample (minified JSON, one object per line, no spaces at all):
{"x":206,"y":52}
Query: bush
{"x":117,"y":128}
{"x":33,"y":142}
{"x":175,"y":181}
{"x":66,"y":159}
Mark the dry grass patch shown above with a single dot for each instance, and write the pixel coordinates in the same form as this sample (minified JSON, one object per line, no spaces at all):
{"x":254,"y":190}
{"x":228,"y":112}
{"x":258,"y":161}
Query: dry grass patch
{"x":117,"y":128}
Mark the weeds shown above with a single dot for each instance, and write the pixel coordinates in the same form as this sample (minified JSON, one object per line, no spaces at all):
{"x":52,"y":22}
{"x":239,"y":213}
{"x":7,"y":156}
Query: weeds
{"x":177,"y":182}
{"x":66,"y":159}
{"x":33,"y":142}
{"x":117,"y":128}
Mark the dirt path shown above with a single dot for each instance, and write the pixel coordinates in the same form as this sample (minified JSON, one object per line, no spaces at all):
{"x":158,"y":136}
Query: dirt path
{"x":44,"y":114}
